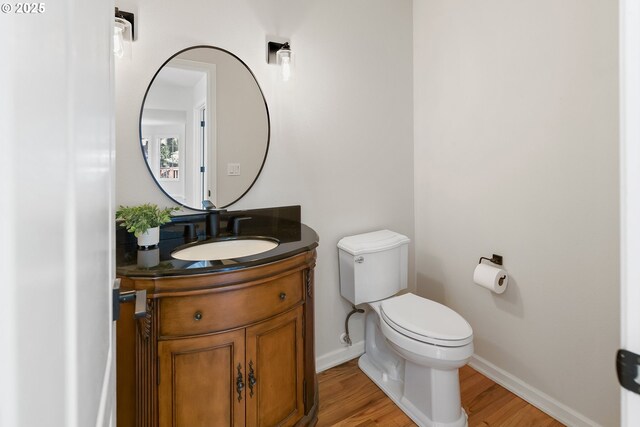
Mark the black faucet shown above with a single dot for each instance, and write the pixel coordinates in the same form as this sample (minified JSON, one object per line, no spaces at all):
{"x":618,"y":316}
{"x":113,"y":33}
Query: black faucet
{"x":212,"y":222}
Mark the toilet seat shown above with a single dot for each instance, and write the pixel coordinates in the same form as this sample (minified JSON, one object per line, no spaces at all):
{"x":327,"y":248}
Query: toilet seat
{"x":426,"y":321}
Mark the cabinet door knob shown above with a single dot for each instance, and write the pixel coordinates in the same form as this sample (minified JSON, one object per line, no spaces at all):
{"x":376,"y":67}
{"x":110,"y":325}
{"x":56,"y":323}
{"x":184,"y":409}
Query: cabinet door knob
{"x":197,"y":315}
{"x":282,"y":296}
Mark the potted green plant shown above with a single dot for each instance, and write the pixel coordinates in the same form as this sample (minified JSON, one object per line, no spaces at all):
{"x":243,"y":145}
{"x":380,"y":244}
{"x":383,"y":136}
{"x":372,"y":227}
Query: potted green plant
{"x":144,"y":221}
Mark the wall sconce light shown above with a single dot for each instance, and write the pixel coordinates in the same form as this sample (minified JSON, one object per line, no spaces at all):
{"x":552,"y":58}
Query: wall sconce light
{"x":281,"y":54}
{"x":123,"y":33}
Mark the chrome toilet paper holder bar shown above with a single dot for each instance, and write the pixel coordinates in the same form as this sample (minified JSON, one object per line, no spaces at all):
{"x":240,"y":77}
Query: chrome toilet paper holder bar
{"x":496,"y":259}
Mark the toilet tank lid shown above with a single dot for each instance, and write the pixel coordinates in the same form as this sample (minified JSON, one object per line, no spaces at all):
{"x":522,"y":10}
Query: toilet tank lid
{"x":374,"y":241}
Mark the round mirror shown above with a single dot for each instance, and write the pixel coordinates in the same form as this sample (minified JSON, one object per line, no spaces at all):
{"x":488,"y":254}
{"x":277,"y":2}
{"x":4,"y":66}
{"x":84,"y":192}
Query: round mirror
{"x":204,"y":128}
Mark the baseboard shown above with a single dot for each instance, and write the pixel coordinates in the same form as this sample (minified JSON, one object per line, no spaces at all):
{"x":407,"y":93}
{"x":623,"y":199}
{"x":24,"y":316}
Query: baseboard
{"x":339,"y":356}
{"x":540,"y":400}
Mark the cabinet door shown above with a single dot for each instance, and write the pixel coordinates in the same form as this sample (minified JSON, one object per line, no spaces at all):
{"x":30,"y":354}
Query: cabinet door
{"x":199,"y":381}
{"x":275,"y":360}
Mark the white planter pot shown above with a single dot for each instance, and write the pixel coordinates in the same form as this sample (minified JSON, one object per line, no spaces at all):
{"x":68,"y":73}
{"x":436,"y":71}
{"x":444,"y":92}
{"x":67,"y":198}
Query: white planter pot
{"x":150,"y":237}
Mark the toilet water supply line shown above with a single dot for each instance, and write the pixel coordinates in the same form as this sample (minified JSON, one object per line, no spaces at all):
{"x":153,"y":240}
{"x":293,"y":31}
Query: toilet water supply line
{"x":346,"y":323}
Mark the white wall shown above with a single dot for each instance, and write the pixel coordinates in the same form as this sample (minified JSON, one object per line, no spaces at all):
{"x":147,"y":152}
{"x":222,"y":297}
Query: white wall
{"x":516,"y":154}
{"x":341,"y":135}
{"x":56,"y":215}
{"x":630,"y":194}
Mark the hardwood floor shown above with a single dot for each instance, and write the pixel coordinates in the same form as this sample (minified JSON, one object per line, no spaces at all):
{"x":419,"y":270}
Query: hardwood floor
{"x":349,"y":398}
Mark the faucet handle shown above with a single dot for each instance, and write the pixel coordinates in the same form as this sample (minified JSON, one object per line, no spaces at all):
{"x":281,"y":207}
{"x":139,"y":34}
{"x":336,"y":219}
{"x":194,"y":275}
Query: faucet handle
{"x":233,"y":225}
{"x":190,"y":233}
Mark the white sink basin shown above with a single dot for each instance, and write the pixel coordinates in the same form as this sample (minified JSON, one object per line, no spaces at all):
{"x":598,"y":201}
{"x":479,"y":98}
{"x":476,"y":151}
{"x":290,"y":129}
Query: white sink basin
{"x":225,"y":249}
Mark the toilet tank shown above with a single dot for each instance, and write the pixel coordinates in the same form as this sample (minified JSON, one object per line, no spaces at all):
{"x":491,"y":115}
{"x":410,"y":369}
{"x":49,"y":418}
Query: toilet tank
{"x":373,"y":266}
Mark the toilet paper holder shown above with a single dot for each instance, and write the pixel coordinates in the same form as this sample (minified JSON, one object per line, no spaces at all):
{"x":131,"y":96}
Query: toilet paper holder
{"x":496,"y":259}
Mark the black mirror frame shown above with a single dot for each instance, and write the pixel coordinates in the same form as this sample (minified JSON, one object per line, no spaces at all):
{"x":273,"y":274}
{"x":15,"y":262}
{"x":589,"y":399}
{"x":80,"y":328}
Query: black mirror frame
{"x":266,"y":107}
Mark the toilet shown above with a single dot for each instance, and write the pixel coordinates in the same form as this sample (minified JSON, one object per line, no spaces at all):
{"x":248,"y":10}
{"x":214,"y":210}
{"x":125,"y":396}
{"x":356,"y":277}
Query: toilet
{"x":413,"y":346}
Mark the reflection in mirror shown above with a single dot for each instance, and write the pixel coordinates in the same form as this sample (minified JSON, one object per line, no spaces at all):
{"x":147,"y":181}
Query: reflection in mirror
{"x":204,"y":127}
{"x":169,"y":159}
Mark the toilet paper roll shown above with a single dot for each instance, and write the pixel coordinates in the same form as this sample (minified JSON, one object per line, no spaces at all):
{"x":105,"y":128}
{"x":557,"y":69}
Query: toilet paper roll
{"x":490,"y":277}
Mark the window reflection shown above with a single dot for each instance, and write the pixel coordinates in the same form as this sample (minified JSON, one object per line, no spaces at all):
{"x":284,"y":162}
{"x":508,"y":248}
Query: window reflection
{"x":169,"y":159}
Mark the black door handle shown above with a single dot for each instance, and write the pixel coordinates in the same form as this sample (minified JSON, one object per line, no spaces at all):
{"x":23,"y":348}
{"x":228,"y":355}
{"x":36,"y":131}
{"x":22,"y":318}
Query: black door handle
{"x":140,"y":298}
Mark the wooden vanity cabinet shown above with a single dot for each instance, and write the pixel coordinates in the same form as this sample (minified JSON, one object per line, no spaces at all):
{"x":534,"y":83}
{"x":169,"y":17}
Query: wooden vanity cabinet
{"x":222,"y":349}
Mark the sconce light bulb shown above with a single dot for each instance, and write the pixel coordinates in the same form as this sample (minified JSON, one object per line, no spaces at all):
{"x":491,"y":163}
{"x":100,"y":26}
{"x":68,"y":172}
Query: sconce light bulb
{"x":286,"y":69}
{"x":118,"y":42}
{"x":284,"y":58}
{"x":122,"y":38}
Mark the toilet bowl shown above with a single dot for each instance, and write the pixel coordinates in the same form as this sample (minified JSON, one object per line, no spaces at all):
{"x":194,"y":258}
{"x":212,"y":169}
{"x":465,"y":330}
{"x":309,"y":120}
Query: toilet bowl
{"x":413,"y":346}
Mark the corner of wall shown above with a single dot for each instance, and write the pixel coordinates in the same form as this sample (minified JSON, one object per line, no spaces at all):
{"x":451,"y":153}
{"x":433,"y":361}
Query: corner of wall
{"x":339,"y":356}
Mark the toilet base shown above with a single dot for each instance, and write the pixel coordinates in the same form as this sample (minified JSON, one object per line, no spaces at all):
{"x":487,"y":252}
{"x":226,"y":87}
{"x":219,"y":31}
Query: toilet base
{"x":394,"y":389}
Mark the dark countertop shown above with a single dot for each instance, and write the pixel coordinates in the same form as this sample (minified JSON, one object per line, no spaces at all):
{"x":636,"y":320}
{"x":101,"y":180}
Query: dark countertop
{"x":282,"y":224}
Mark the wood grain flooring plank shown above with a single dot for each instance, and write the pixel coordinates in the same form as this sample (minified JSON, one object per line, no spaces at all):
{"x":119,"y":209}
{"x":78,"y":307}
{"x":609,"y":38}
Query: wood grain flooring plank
{"x":486,"y":403}
{"x":529,"y":416}
{"x":474,"y":385}
{"x":500,"y":414}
